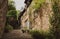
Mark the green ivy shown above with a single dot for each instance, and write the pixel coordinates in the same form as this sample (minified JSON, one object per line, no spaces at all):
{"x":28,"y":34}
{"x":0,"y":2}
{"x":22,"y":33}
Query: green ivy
{"x":55,"y":21}
{"x":38,"y":3}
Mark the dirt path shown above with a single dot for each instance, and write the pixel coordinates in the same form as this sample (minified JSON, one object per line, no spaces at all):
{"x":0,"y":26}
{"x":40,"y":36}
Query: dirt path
{"x":16,"y":34}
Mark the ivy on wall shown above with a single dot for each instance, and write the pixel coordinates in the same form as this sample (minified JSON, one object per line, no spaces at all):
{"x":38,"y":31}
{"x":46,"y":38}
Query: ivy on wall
{"x":55,"y":20}
{"x":37,"y":3}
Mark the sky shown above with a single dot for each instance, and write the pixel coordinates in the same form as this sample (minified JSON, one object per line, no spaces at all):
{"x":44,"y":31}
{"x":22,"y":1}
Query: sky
{"x":19,"y":4}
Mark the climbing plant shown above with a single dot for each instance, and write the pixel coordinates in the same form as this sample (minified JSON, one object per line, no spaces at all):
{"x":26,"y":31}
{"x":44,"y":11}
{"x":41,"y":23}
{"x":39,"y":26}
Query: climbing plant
{"x":37,"y":3}
{"x":55,"y":20}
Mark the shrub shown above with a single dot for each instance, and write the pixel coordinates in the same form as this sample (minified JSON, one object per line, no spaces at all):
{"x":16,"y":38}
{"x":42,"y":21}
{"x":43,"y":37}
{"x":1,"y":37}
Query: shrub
{"x":8,"y":28}
{"x":37,"y":35}
{"x":41,"y":35}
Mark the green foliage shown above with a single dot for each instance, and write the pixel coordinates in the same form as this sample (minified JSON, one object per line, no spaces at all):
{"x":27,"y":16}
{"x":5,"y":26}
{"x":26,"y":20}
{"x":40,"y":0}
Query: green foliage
{"x":37,"y":3}
{"x":8,"y":28}
{"x":41,"y":35}
{"x":11,"y":5}
{"x":36,"y":35}
{"x":55,"y":21}
{"x":11,"y":9}
{"x":12,"y":13}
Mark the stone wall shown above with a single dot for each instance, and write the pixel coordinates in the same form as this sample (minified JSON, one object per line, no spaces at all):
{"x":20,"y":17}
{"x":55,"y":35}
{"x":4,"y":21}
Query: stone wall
{"x":24,"y":19}
{"x":39,"y":18}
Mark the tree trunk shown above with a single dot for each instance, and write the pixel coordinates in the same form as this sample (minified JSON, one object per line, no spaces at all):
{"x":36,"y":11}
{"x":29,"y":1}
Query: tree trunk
{"x":3,"y":11}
